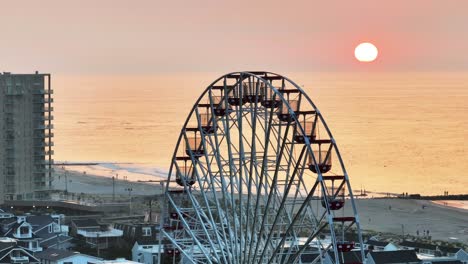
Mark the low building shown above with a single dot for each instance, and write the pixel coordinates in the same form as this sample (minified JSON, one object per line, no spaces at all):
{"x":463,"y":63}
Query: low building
{"x":376,"y":245}
{"x":132,"y":232}
{"x":95,"y":234}
{"x":146,"y":252}
{"x":419,"y":247}
{"x":453,"y":252}
{"x":393,"y":257}
{"x":60,"y":256}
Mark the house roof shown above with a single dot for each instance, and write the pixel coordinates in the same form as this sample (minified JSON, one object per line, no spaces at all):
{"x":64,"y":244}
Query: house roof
{"x":449,"y":249}
{"x":39,"y":221}
{"x":86,"y":222}
{"x":447,"y":262}
{"x":414,"y":244}
{"x":353,"y":256}
{"x":53,"y":254}
{"x":7,"y":221}
{"x":6,"y":245}
{"x":397,"y":256}
{"x":376,"y":243}
{"x":307,"y":257}
{"x":55,"y":241}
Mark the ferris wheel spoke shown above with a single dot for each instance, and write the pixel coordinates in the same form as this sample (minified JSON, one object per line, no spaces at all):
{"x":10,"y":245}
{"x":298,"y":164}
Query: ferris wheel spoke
{"x":272,"y":190}
{"x":281,"y":205}
{"x":259,"y":185}
{"x":195,"y":239}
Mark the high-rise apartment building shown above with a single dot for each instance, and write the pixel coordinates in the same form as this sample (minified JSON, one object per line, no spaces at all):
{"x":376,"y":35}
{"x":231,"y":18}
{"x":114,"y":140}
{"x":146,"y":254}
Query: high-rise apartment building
{"x":26,"y":136}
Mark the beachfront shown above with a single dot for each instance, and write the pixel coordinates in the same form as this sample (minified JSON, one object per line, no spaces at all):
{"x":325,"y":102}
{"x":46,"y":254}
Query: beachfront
{"x":381,"y":215}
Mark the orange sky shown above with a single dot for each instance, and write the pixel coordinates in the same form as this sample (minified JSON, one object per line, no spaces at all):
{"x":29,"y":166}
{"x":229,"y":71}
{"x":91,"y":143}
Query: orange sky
{"x":107,"y":37}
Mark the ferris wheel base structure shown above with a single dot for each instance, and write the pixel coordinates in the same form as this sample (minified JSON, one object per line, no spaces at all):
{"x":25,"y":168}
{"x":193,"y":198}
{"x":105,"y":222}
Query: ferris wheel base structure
{"x":257,"y":177}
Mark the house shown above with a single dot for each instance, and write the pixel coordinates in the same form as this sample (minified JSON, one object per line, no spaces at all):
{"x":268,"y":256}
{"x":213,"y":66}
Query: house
{"x":22,"y":232}
{"x":50,"y":231}
{"x":10,"y":252}
{"x":95,"y":234}
{"x":146,"y":252}
{"x":419,"y":247}
{"x":453,"y":252}
{"x":5,"y":215}
{"x":36,"y":233}
{"x":441,"y":261}
{"x":60,"y":256}
{"x":353,"y":256}
{"x":133,"y":232}
{"x":389,"y":257}
{"x":376,"y":245}
{"x":462,"y":255}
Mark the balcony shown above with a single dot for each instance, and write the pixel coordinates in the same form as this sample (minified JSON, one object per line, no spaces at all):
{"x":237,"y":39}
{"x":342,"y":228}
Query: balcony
{"x":19,"y":259}
{"x":41,"y":91}
{"x":43,"y":153}
{"x":14,"y":91}
{"x":42,"y":127}
{"x":43,"y":162}
{"x":43,"y":100}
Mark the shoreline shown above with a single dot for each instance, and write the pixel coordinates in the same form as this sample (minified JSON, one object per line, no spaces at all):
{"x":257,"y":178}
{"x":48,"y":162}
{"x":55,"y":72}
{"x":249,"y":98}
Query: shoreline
{"x":386,"y":215}
{"x":459,"y":205}
{"x":79,"y":182}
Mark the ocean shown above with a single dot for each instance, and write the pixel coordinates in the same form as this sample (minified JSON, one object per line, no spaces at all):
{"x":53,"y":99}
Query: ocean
{"x":397,"y":132}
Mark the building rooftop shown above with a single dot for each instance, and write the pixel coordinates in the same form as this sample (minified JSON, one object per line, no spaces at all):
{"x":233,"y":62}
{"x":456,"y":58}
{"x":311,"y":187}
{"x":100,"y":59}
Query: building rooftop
{"x":376,"y":243}
{"x":53,"y":254}
{"x":86,"y":223}
{"x":397,"y":256}
{"x":414,"y":244}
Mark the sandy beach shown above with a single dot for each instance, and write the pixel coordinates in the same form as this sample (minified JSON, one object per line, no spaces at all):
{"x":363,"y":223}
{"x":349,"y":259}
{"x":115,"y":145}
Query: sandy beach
{"x":382,"y":215}
{"x":398,"y":215}
{"x":78,"y":182}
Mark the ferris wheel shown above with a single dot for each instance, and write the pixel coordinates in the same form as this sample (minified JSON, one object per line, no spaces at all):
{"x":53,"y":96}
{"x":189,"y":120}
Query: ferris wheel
{"x":256,"y":177}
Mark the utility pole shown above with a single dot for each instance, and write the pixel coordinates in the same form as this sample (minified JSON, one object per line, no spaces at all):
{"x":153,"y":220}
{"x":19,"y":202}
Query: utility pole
{"x":97,"y":245}
{"x":113,"y":188}
{"x":150,"y":211}
{"x":129,"y":190}
{"x":66,"y":182}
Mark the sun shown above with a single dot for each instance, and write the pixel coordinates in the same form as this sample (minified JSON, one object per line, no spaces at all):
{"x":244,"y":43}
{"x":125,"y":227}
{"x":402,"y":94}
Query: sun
{"x":366,"y":52}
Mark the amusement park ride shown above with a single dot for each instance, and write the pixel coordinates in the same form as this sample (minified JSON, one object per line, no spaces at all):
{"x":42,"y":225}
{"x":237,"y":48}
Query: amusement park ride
{"x":251,"y":179}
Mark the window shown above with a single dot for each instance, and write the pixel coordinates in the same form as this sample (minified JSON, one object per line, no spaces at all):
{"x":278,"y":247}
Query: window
{"x":68,"y":262}
{"x":34,"y":244}
{"x":50,"y":228}
{"x":146,"y":231}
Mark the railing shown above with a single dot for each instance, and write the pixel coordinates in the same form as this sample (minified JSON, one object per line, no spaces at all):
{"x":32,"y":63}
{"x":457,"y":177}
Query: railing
{"x":43,"y":91}
{"x":20,"y":259}
{"x":44,"y":153}
{"x":43,"y":100}
{"x":110,"y":233}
